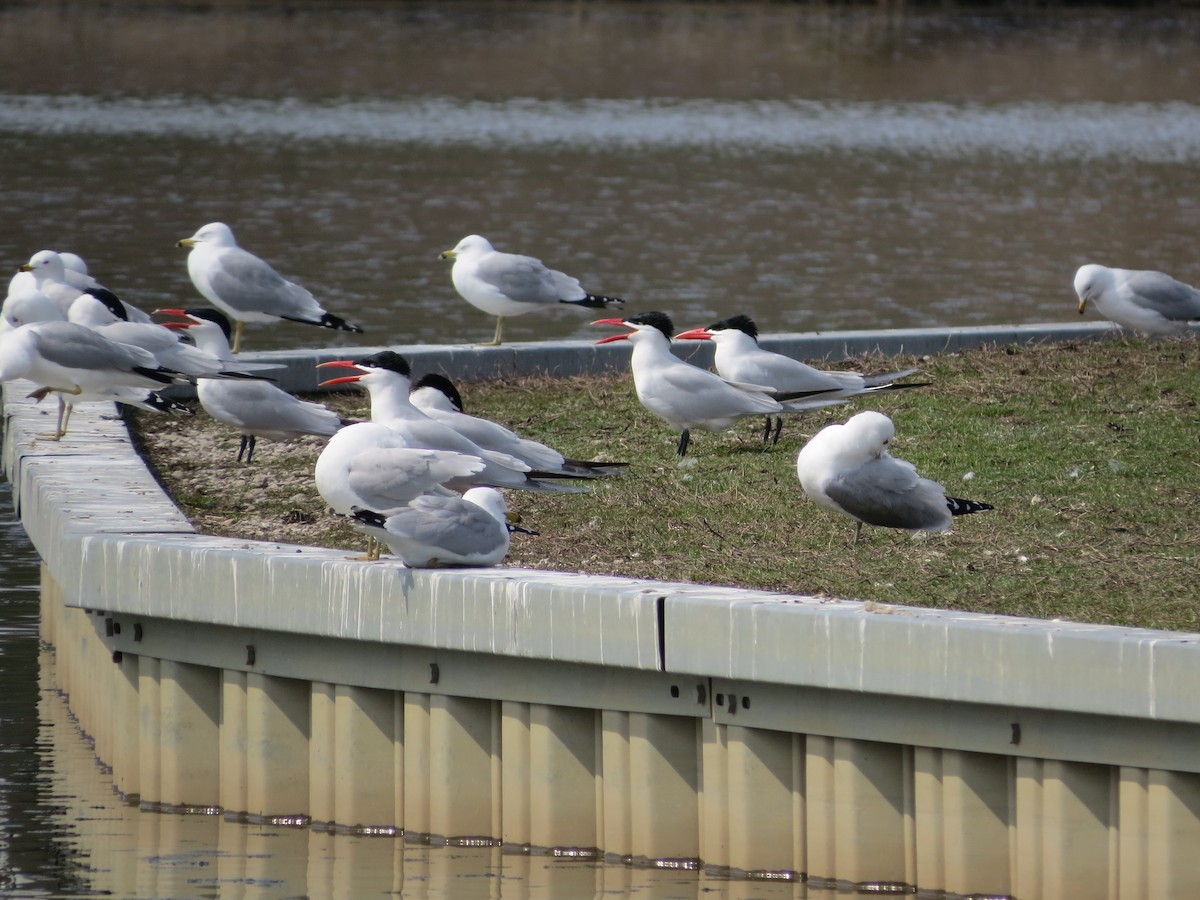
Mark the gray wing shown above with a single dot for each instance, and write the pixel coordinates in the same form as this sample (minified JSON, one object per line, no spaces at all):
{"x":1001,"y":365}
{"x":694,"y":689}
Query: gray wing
{"x":526,"y":280}
{"x":78,"y":347}
{"x":889,"y":493}
{"x":391,"y":477}
{"x":451,"y":524}
{"x":1164,"y":295}
{"x":248,"y":284}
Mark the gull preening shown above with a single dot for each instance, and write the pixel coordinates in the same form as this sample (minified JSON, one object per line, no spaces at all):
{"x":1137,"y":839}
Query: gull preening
{"x":246,"y":288}
{"x":471,"y":530}
{"x":688,"y":397}
{"x":847,"y":468}
{"x":738,"y":357}
{"x":507,"y":284}
{"x":255,"y":407}
{"x":1141,"y":300}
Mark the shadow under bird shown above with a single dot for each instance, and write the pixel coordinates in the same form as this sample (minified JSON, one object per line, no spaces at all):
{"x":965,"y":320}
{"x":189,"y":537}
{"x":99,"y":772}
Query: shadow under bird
{"x":507,"y":284}
{"x":847,"y":468}
{"x":738,"y":357}
{"x":246,"y":288}
{"x":688,"y":397}
{"x":433,"y":531}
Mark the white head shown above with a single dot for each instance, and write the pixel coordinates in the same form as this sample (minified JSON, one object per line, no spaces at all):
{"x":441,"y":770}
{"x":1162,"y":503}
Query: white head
{"x":214,"y":234}
{"x":73,"y":262}
{"x":867,"y":435}
{"x":1090,"y":282}
{"x":45,"y":265}
{"x":472,"y":246}
{"x":490,"y":500}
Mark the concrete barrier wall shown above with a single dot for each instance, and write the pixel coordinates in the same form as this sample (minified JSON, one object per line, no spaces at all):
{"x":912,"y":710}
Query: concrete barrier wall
{"x":779,"y":736}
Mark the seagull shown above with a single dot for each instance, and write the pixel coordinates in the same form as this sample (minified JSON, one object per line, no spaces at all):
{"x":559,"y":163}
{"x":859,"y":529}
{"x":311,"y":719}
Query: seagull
{"x":1151,"y":302}
{"x":506,"y":285}
{"x":256,"y":408}
{"x":387,"y":377}
{"x":472,"y":530}
{"x":247,"y":289}
{"x":437,"y":397}
{"x":738,"y":357}
{"x":847,"y":468}
{"x":687,"y":396}
{"x":63,"y":285}
{"x":70,"y":359}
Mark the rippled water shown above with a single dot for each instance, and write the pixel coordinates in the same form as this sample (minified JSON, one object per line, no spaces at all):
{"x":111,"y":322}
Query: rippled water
{"x":817,"y":169}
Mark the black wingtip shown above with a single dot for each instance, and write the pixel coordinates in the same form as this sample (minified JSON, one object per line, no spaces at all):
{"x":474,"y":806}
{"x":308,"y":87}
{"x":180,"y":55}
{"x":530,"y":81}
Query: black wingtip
{"x":596,"y":301}
{"x":964,"y":507}
{"x":329,"y":320}
{"x":367,"y":517}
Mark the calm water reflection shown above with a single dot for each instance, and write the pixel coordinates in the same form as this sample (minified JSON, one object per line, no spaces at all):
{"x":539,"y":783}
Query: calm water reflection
{"x":817,"y":169}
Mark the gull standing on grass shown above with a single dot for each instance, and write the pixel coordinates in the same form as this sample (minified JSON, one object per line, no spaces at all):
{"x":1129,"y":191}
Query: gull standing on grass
{"x":247,"y":289}
{"x":256,"y":408}
{"x":472,"y":530}
{"x":738,"y":357}
{"x":847,"y":468}
{"x":506,"y":284}
{"x":687,"y":396}
{"x":1150,"y":302}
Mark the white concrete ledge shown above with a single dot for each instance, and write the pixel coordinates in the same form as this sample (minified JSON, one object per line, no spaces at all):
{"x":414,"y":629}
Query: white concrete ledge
{"x":115,"y":542}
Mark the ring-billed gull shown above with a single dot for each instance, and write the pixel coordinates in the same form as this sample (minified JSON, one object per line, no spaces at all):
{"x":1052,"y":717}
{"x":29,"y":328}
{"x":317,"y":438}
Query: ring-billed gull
{"x":472,"y":530}
{"x":1142,"y":300}
{"x":64,"y":285}
{"x":506,"y":284}
{"x":256,"y":408}
{"x":848,"y":469}
{"x":246,"y":288}
{"x":738,"y":357}
{"x":687,"y":396}
{"x":78,"y":364}
{"x":437,"y":397}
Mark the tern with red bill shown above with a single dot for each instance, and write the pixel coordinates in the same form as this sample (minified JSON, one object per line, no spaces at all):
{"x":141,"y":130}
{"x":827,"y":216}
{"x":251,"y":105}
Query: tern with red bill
{"x":246,"y":288}
{"x":256,"y":408}
{"x":847,"y":468}
{"x":507,"y":284}
{"x":738,"y":357}
{"x":687,"y":396}
{"x":432,"y":531}
{"x":387,"y":377}
{"x":437,"y":397}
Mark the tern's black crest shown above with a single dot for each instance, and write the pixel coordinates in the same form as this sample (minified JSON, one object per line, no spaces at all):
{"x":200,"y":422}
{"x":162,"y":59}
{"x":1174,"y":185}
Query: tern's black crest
{"x":386,"y":359}
{"x":212,"y":315}
{"x":741,"y":323}
{"x":111,"y":302}
{"x":443,"y":384}
{"x":659,"y":320}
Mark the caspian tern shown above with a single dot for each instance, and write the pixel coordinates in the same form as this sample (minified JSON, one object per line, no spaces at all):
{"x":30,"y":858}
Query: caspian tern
{"x":387,"y":377}
{"x":687,"y":396}
{"x":471,"y":530}
{"x":506,"y":284}
{"x":738,"y":357}
{"x":437,"y":397}
{"x":69,"y":359}
{"x":848,"y":469}
{"x":256,"y":408}
{"x":246,"y":288}
{"x":1150,"y":302}
{"x":49,"y":271}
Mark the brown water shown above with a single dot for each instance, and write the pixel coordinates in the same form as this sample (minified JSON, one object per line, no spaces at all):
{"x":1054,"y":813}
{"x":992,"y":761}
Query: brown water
{"x":819,"y":169}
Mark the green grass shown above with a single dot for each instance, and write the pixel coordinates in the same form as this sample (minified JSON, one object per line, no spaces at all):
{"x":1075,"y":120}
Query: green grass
{"x":1089,"y":452}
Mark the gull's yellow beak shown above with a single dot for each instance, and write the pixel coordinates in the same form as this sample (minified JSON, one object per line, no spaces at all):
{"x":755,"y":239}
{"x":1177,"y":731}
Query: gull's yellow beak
{"x":447,"y":254}
{"x":1082,"y":305}
{"x":25,"y":267}
{"x":186,"y":242}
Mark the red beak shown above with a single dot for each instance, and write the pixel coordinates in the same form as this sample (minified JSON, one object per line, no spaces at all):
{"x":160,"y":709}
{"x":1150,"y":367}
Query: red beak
{"x":620,"y":323}
{"x":341,"y":364}
{"x":696,"y":334}
{"x":176,"y":312}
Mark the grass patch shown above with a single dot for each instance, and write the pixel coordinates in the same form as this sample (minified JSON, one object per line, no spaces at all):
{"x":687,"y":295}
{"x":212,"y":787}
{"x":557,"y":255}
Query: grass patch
{"x":1089,"y":452}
